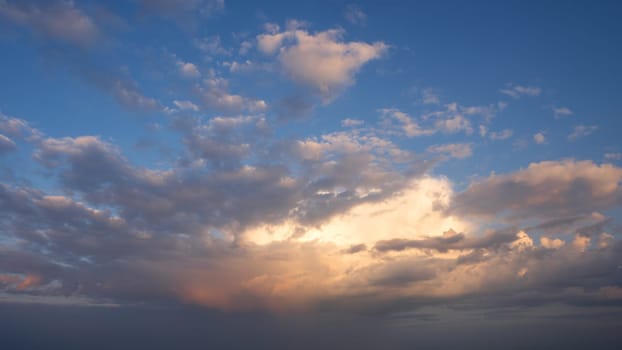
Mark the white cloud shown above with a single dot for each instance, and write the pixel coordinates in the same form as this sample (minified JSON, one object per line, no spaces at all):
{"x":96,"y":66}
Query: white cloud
{"x":454,"y":150}
{"x":6,"y":144}
{"x":516,"y":91}
{"x":211,"y":46}
{"x":582,"y":131}
{"x":539,"y":138}
{"x":186,"y":105}
{"x":613,"y":156}
{"x":559,"y":112}
{"x":215,"y":95}
{"x":322,"y":60}
{"x":188,"y":70}
{"x":348,"y":122}
{"x":501,"y":135}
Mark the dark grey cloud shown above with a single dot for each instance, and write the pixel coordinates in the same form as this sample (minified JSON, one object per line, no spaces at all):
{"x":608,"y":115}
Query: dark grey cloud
{"x":550,"y":189}
{"x":450,"y":240}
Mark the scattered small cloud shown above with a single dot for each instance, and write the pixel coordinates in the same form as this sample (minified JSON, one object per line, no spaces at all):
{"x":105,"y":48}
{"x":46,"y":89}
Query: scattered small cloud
{"x":349,"y":123}
{"x":539,"y":138}
{"x":188,"y":70}
{"x":355,"y":15}
{"x":453,"y":150}
{"x":559,"y":112}
{"x":516,"y":91}
{"x":500,"y":135}
{"x":580,"y":131}
{"x":186,"y":105}
{"x":613,"y":156}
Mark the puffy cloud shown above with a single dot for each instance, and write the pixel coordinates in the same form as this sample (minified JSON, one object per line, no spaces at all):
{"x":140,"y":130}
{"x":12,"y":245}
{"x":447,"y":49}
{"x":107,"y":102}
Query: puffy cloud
{"x":215,"y":96}
{"x":545,"y":189}
{"x":321,"y":61}
{"x":56,"y":19}
{"x":188,"y":69}
{"x":516,"y":91}
{"x":582,"y":131}
{"x":539,"y":138}
{"x":452,"y":118}
{"x":242,"y":221}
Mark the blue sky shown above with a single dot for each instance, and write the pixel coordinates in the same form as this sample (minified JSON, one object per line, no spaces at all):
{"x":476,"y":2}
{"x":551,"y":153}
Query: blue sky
{"x":392,"y":155}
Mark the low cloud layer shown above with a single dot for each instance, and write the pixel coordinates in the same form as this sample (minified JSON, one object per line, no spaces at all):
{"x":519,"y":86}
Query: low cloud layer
{"x":246,"y":221}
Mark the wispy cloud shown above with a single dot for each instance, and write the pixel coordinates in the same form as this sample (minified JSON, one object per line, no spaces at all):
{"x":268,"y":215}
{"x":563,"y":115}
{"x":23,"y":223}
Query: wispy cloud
{"x":516,"y":91}
{"x":580,"y":131}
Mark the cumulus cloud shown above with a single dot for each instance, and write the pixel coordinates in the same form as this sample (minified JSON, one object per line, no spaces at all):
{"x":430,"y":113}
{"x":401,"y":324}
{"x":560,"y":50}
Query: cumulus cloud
{"x":321,"y":61}
{"x":451,"y":118}
{"x":341,"y":224}
{"x":188,"y":69}
{"x":215,"y":95}
{"x":60,"y":20}
{"x":539,"y":138}
{"x":544,"y":189}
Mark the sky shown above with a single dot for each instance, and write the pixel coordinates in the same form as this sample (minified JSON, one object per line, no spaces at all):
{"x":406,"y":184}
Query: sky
{"x":330,"y":174}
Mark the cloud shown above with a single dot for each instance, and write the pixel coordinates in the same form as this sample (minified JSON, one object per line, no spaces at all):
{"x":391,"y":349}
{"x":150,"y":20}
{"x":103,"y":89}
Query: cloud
{"x":15,"y":128}
{"x":59,"y":20}
{"x":582,"y":131}
{"x":349,"y":123}
{"x":212,"y":46}
{"x":321,"y":61}
{"x":500,"y":135}
{"x":516,"y":91}
{"x":215,"y":96}
{"x":128,"y":94}
{"x":613,"y":156}
{"x":544,"y":189}
{"x":454,"y":150}
{"x":355,"y":15}
{"x":451,"y":118}
{"x":188,"y":70}
{"x":539,"y":138}
{"x":559,"y":112}
{"x":6,"y":144}
{"x":186,"y":105}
